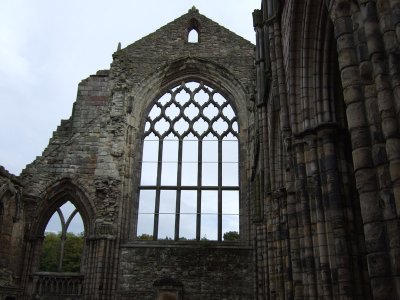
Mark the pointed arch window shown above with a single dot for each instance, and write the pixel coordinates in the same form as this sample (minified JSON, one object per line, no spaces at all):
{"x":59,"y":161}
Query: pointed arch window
{"x":193,"y":36}
{"x":63,"y":244}
{"x":189,"y":188}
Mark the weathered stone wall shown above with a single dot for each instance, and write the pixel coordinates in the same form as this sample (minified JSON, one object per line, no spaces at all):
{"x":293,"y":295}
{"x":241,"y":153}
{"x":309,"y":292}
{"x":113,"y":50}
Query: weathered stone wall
{"x":12,"y":231}
{"x":320,"y":159}
{"x":327,"y":226}
{"x":368,"y":44}
{"x":205,"y":271}
{"x":74,"y":150}
{"x":169,"y":44}
{"x":93,"y":160}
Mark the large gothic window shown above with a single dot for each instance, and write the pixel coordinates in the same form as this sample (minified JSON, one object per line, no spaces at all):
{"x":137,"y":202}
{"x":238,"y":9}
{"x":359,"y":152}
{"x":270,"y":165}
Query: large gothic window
{"x":189,"y":186}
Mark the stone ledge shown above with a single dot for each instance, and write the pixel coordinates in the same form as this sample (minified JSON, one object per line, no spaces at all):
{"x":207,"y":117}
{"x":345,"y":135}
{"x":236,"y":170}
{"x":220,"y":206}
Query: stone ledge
{"x":158,"y":244}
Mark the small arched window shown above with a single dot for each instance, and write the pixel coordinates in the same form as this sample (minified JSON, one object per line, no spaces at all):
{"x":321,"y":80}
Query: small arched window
{"x":189,"y":187}
{"x":63,"y":243}
{"x":193,"y":36}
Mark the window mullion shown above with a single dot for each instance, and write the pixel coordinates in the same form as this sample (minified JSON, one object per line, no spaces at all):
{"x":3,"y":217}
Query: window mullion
{"x":219,"y":190}
{"x":157,"y":206}
{"x":62,"y":239}
{"x":199,"y":174}
{"x":178,"y":192}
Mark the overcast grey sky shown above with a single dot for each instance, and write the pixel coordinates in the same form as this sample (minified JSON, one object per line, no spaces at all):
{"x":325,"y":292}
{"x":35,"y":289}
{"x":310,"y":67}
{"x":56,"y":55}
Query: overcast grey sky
{"x":47,"y":47}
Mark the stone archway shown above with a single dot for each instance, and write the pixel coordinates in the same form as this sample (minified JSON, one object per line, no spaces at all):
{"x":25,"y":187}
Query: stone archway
{"x":60,"y":284}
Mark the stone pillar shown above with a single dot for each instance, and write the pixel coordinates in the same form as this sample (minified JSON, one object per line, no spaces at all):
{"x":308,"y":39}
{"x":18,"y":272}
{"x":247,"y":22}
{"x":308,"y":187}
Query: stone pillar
{"x":360,"y":49}
{"x":101,"y":267}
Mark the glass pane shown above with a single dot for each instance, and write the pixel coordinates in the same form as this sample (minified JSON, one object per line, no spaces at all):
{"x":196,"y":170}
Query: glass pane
{"x":188,"y":202}
{"x":230,"y":174}
{"x":145,"y":226}
{"x":209,"y":227}
{"x":147,"y":200}
{"x":166,"y":227}
{"x":170,"y":149}
{"x":230,"y":151}
{"x":210,"y":150}
{"x":230,"y":224}
{"x":209,"y":202}
{"x":167,"y":202}
{"x":189,"y":174}
{"x":210,"y":174}
{"x":230,"y":202}
{"x":190,"y":150}
{"x":149,"y":174}
{"x":187,"y":227}
{"x":169,"y":173}
{"x":150,"y":150}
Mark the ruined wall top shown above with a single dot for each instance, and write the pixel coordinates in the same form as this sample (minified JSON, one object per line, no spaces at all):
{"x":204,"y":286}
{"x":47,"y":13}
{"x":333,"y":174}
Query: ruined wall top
{"x":170,"y":44}
{"x":90,"y":148}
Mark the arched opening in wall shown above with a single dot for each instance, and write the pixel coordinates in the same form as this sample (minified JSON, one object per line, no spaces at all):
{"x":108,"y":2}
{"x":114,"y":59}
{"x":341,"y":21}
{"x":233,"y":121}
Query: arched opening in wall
{"x":193,"y":36}
{"x":193,"y":32}
{"x":63,"y":242}
{"x":189,"y":188}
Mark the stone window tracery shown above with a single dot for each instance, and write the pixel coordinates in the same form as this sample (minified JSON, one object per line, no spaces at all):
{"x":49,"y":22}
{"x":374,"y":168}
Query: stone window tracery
{"x":63,"y":244}
{"x":189,"y":186}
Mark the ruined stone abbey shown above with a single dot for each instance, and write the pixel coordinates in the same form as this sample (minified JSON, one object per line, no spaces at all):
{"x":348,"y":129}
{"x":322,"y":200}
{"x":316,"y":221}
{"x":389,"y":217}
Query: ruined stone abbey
{"x":206,"y":167}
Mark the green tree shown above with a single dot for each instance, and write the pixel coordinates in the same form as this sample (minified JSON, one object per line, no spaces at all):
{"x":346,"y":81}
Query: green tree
{"x":50,"y":255}
{"x":231,"y":236}
{"x":145,"y":237}
{"x":73,"y":252}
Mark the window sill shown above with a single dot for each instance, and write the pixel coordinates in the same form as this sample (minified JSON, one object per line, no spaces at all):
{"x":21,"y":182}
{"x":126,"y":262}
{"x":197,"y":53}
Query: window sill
{"x":185,"y":244}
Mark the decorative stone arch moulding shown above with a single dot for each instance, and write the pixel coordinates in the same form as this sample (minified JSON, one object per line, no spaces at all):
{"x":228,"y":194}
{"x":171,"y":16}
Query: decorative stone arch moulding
{"x":187,"y":69}
{"x":173,"y":74}
{"x":55,"y":196}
